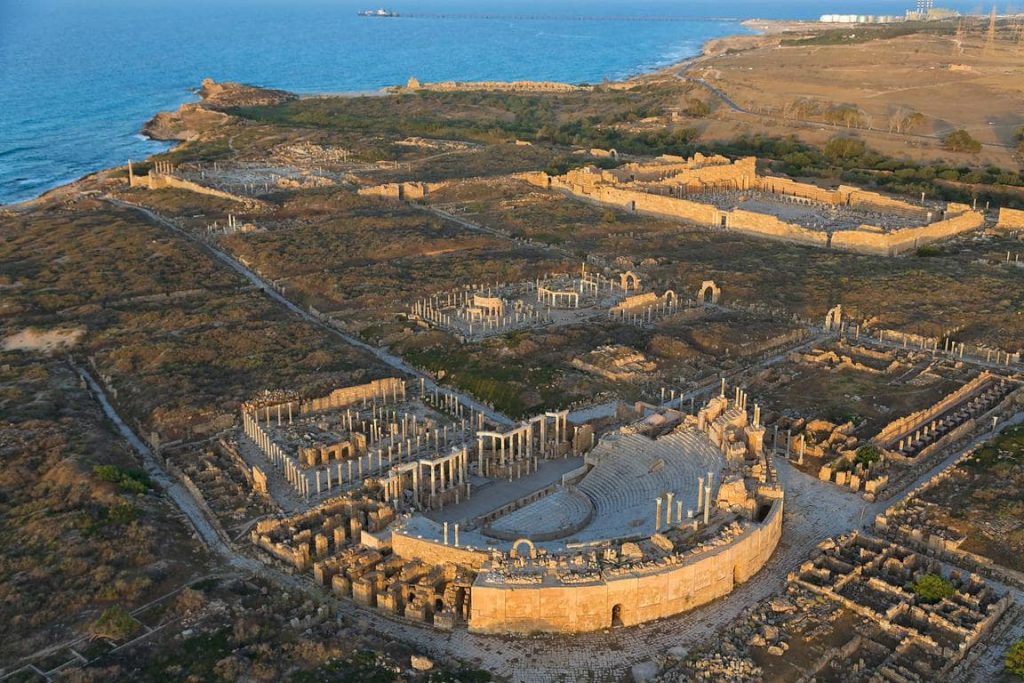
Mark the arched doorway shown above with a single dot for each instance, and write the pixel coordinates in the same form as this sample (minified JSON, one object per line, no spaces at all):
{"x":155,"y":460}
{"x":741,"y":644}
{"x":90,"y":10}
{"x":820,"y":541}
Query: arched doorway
{"x":514,"y":553}
{"x":616,"y":616}
{"x":629,"y":281}
{"x":708,"y":293}
{"x":834,"y":318}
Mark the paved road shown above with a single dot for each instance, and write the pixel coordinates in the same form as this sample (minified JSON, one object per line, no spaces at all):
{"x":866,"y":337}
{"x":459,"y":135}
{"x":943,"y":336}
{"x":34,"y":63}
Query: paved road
{"x":179,"y":495}
{"x":382,"y":354}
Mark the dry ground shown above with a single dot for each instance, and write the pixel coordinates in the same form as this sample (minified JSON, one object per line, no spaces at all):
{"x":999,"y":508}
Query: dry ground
{"x":881,"y":77}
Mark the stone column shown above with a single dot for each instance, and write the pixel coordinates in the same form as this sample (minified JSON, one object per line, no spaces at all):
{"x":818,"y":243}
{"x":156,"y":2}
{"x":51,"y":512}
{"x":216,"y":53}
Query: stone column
{"x":657,"y":515}
{"x":707,"y":504}
{"x":668,"y":508}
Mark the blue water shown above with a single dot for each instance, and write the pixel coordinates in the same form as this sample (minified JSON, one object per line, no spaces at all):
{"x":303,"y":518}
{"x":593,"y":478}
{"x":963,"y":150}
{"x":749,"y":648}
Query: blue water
{"x":78,"y":78}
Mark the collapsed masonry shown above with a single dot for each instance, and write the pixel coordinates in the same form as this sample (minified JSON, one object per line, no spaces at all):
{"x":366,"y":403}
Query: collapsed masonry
{"x":715,"y":192}
{"x":918,"y":639}
{"x":354,"y":434}
{"x":162,"y":175}
{"x":908,"y":440}
{"x":475,"y":312}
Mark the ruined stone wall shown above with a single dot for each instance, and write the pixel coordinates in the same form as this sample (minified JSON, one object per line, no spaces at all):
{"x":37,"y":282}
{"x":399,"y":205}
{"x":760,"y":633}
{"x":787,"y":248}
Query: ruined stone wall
{"x":791,"y":187}
{"x":854,"y":196}
{"x":636,"y":301}
{"x":408,"y":191}
{"x":697,"y":170}
{"x":900,"y":426}
{"x":765,"y":225}
{"x":346,"y":396}
{"x":633,"y":200}
{"x":568,"y":608}
{"x":899,"y":241}
{"x":537,"y":178}
{"x":741,"y":175}
{"x":749,"y":222}
{"x":500,"y":86}
{"x":1011,"y":219}
{"x":159,"y":181}
{"x":432,"y":552}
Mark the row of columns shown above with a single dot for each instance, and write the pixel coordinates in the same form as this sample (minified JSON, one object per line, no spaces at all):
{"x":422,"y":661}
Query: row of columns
{"x":664,"y":503}
{"x":450,"y":471}
{"x":553,"y":298}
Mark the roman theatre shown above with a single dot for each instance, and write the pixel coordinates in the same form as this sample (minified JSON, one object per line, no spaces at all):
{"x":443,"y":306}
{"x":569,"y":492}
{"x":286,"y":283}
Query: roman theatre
{"x":667,"y":512}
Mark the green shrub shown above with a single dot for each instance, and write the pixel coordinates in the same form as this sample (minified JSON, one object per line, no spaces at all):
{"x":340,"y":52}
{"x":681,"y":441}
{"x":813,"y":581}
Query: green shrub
{"x":1015,"y":659}
{"x":844,"y":148}
{"x":927,"y":250}
{"x":115,"y":624}
{"x":867,"y":455}
{"x":932,"y":588}
{"x":961,"y":141}
{"x":130,"y":481}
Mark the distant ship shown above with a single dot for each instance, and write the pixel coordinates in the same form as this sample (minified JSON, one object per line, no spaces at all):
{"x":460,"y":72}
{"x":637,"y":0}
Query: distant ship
{"x":378,"y":13}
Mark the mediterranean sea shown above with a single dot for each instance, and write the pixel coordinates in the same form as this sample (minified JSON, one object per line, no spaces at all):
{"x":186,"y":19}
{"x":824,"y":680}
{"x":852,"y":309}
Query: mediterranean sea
{"x":79,"y":78}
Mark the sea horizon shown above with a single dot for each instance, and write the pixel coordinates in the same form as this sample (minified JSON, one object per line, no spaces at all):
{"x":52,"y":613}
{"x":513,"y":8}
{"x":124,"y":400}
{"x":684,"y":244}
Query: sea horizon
{"x":80,"y":82}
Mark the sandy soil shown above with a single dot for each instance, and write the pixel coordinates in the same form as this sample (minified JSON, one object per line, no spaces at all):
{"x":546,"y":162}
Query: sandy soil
{"x":44,"y":341}
{"x":969,"y":86}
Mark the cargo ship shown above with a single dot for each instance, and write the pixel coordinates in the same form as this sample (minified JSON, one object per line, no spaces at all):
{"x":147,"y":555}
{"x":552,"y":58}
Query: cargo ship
{"x":378,"y":13}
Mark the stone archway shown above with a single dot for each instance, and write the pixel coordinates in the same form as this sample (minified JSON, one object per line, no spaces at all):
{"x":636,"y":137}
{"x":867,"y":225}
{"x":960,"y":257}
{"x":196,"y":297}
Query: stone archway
{"x":529,"y":544}
{"x":708,"y":292}
{"x":834,"y":318}
{"x":629,"y":281}
{"x":613,"y":154}
{"x":670,"y":296}
{"x":617,"y":616}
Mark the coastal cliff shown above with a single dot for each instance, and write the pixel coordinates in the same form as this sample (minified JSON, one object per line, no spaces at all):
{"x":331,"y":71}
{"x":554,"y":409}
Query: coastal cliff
{"x":192,"y":119}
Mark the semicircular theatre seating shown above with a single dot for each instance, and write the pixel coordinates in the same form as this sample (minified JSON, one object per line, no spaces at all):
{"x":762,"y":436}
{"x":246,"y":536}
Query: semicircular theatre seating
{"x":623,"y":486}
{"x":562,"y":510}
{"x":631,"y":471}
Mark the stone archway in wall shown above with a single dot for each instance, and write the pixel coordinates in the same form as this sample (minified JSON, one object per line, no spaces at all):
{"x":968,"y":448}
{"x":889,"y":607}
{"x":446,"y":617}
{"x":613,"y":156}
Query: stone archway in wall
{"x":613,"y":154}
{"x":709,"y":292}
{"x":629,"y":281}
{"x":616,"y":620}
{"x":670,"y":296}
{"x":529,"y":544}
{"x":834,"y":318}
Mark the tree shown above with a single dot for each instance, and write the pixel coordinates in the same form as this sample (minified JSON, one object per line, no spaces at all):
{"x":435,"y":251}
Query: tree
{"x":1015,"y":659}
{"x":903,"y":120}
{"x":842,"y":148}
{"x":961,"y":141}
{"x":845,"y":115}
{"x":867,"y":455}
{"x":932,"y":588}
{"x":697,"y":108}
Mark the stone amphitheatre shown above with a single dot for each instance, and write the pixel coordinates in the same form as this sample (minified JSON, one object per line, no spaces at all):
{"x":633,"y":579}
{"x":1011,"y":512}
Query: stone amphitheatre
{"x":666,"y":513}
